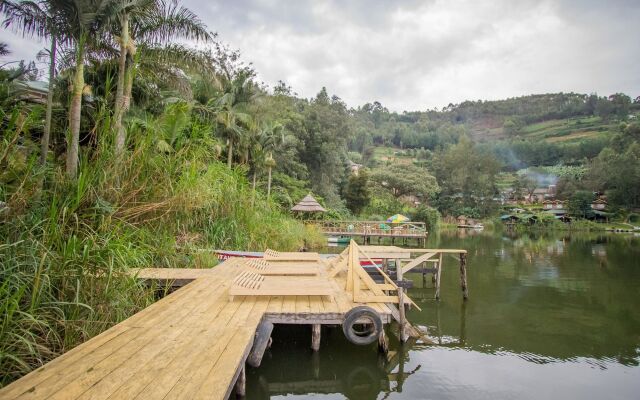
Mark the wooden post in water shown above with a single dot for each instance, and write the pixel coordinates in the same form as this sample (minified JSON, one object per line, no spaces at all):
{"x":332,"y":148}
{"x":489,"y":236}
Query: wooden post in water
{"x":383,"y":342}
{"x":438,"y":273}
{"x":241,"y":383}
{"x":315,"y":336}
{"x":403,"y":335}
{"x":463,"y":275}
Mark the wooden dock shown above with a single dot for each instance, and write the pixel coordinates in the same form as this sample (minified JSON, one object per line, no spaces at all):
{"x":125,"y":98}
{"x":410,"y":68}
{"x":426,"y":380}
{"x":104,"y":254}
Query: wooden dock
{"x":373,"y":229}
{"x":193,"y":343}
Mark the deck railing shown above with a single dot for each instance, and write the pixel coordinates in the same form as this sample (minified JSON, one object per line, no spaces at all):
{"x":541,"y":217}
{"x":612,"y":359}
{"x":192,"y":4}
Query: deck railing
{"x":371,"y":228}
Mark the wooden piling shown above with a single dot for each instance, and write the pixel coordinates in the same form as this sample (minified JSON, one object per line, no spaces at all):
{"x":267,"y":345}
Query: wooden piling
{"x":403,"y":335}
{"x":438,"y":274}
{"x":241,"y":383}
{"x":315,"y":337}
{"x":463,"y":276}
{"x":261,"y":341}
{"x":383,"y":343}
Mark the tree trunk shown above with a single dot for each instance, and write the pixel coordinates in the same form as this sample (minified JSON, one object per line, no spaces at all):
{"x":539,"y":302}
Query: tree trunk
{"x":120,"y":88}
{"x":253,"y":189}
{"x":230,"y":153}
{"x":44,"y":143}
{"x":73,"y":141}
{"x":269,"y":185}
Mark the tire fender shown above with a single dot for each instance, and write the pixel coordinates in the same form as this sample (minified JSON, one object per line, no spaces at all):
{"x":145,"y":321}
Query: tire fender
{"x":351,"y":319}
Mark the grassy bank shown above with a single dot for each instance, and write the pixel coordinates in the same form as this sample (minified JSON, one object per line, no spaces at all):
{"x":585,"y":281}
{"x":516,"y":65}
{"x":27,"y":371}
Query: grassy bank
{"x":67,"y":246}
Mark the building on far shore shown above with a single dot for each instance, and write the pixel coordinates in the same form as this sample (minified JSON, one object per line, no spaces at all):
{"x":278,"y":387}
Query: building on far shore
{"x":541,"y":194}
{"x":599,"y":204}
{"x":553,"y":204}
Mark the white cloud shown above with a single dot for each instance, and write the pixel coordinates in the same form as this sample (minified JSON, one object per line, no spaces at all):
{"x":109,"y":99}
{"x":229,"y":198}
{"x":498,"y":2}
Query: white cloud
{"x":414,"y":55}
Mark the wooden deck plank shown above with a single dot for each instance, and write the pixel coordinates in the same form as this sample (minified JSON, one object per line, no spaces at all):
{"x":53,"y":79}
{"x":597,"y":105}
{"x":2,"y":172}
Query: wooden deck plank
{"x":302,"y":305}
{"x":315,"y":305}
{"x":289,"y":304}
{"x":191,"y":343}
{"x":233,"y":354}
{"x":188,"y":363}
{"x":142,"y":371}
{"x":205,"y":363}
{"x":275,"y":304}
{"x":173,"y":364}
{"x":48,"y":370}
{"x":74,"y":379}
{"x":67,"y":373}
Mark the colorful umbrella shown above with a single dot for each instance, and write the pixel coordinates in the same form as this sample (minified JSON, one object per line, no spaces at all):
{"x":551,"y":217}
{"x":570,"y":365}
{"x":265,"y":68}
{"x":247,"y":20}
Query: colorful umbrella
{"x":396,"y":219}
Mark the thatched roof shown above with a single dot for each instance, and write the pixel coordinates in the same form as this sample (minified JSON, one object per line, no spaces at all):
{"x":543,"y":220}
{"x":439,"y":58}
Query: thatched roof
{"x":308,"y":204}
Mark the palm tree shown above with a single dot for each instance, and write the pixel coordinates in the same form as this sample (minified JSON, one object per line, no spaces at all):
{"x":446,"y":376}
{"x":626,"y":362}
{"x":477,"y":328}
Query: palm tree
{"x":36,"y":18}
{"x":264,"y":140}
{"x":154,"y":23}
{"x":230,"y":121}
{"x":125,"y":9}
{"x":273,"y":137}
{"x":86,"y":21}
{"x":231,"y":116}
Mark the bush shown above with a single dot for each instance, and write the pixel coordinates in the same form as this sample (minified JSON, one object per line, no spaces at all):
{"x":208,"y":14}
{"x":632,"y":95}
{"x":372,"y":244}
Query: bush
{"x":428,"y":215}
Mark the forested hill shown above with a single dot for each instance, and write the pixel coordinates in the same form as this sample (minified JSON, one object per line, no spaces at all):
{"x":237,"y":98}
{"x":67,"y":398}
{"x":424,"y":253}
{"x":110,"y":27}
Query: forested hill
{"x":535,"y":130}
{"x":497,"y":119}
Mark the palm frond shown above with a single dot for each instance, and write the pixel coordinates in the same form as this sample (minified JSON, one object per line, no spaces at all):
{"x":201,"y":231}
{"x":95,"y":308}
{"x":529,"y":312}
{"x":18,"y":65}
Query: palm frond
{"x":169,"y":21}
{"x":26,"y":17}
{"x":4,"y":49}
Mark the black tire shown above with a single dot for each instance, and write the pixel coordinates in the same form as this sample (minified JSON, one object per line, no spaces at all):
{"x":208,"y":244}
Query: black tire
{"x":362,"y":337}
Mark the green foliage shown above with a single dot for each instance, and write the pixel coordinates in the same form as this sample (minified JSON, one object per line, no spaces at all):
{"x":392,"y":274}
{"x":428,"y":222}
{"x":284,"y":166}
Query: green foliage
{"x":383,"y":204}
{"x":511,"y":126}
{"x":288,"y":190}
{"x":405,"y":180}
{"x":428,"y":215}
{"x":618,"y":173}
{"x":68,"y":247}
{"x":356,"y":193}
{"x":467,"y":177}
{"x":579,"y":205}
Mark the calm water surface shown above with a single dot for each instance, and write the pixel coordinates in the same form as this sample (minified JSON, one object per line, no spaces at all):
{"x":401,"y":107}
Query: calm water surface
{"x":550,"y":316}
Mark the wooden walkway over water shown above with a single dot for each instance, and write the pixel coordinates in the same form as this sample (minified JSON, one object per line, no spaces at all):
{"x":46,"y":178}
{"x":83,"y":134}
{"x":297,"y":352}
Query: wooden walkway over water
{"x":193,"y":343}
{"x":373,"y":229}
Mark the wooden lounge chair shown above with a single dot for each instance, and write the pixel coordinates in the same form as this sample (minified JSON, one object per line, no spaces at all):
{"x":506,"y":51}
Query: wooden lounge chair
{"x":253,"y":284}
{"x":272,"y":255}
{"x":264,"y":267}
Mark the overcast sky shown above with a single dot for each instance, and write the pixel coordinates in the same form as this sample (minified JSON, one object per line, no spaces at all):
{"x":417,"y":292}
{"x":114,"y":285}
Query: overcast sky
{"x":414,"y":55}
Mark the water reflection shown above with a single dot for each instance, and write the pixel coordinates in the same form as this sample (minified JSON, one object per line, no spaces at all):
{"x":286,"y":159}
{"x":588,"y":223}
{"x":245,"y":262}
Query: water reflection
{"x":556,"y":296}
{"x":291,"y":368}
{"x":554,"y":308}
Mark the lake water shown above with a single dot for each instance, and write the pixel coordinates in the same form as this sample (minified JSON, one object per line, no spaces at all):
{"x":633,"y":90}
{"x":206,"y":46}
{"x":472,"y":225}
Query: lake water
{"x":553,"y":316}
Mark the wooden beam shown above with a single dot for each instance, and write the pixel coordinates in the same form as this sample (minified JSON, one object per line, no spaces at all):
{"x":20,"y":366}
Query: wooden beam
{"x":417,"y":261}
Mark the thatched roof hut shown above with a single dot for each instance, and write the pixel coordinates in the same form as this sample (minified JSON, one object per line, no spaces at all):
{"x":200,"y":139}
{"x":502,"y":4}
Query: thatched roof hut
{"x":308,"y":204}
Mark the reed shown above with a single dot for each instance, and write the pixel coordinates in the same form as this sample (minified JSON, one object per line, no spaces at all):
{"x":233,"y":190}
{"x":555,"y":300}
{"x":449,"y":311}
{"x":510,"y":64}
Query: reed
{"x":66,"y":246}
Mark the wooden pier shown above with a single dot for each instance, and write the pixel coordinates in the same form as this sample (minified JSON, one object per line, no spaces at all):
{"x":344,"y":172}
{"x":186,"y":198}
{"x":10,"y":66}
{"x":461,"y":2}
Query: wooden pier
{"x":193,"y":343}
{"x":374,"y":229}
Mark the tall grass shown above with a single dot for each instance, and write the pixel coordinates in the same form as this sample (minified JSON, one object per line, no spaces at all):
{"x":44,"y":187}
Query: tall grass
{"x":66,"y":247}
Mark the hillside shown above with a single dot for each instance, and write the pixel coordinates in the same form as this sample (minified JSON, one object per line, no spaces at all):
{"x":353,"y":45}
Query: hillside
{"x":554,"y":130}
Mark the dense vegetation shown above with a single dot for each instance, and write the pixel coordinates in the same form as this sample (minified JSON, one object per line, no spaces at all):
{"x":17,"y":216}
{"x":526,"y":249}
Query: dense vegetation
{"x":147,"y":151}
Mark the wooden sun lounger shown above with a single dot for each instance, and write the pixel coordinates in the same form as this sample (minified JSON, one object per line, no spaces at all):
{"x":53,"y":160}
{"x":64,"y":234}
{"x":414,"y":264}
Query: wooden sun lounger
{"x":253,"y":284}
{"x":272,"y":255}
{"x":264,"y":267}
